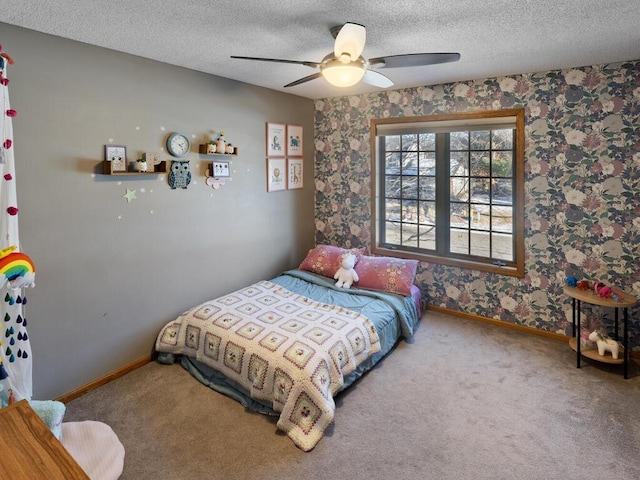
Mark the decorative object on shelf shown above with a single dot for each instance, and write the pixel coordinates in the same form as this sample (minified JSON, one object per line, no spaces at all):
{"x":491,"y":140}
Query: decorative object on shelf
{"x":605,"y":344}
{"x":152,"y":159}
{"x":221,"y":145}
{"x":212,"y":181}
{"x":276,"y":168}
{"x":295,"y":172}
{"x":275,"y":139}
{"x":571,"y":281}
{"x":180,"y":175}
{"x":220,"y":169}
{"x":140,"y":165}
{"x":178,"y":144}
{"x":211,"y":147}
{"x":294,"y":140}
{"x":230,"y":149}
{"x":116,"y":156}
{"x":583,"y":285}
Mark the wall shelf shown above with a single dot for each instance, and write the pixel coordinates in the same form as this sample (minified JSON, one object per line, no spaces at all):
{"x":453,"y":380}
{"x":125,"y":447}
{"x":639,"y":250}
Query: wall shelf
{"x":203,"y":151}
{"x":157,"y":169}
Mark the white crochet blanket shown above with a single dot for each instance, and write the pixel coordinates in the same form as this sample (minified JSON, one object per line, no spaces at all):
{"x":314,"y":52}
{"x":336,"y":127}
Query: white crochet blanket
{"x":283,"y":348}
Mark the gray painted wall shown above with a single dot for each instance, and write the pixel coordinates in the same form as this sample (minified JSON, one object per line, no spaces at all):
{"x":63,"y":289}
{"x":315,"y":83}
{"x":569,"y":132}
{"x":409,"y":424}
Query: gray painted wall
{"x":105,"y":286}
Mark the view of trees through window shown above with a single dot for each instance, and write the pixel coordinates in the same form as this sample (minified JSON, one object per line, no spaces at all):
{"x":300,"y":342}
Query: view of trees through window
{"x":460,"y":182}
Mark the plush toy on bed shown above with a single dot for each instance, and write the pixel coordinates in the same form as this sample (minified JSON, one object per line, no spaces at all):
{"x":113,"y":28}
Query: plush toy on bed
{"x":346,"y":275}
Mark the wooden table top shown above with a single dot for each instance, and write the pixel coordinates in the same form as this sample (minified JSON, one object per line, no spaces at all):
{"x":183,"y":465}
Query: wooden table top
{"x":589,"y":296}
{"x":28,"y":449}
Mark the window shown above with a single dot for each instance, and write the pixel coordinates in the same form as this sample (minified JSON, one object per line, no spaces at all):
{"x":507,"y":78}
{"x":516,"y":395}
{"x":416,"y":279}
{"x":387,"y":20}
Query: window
{"x":450,"y":189}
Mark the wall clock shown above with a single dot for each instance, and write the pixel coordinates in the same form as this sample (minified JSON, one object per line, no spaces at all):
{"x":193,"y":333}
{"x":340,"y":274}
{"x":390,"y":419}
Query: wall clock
{"x":178,"y":144}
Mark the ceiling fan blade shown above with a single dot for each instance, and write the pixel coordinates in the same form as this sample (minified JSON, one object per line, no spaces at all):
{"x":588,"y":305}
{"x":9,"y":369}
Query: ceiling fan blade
{"x":413,"y":60}
{"x":296,"y":62}
{"x":350,"y":39}
{"x":377,"y":79}
{"x":304,"y":80}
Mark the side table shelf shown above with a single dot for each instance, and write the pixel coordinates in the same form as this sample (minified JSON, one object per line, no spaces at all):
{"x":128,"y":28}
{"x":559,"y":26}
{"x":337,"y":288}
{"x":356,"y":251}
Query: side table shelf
{"x":625,"y":301}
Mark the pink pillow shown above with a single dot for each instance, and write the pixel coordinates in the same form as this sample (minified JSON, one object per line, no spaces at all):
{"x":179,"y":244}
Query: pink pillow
{"x":325,"y":259}
{"x":387,"y":274}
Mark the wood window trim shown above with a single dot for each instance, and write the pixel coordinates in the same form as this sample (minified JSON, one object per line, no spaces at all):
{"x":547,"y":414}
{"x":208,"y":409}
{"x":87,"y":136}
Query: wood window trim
{"x":518,"y":270}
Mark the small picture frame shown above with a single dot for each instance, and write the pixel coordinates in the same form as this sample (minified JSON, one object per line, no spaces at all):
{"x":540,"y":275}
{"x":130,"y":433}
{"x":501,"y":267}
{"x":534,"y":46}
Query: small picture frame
{"x":295,"y":173}
{"x":220,"y":169}
{"x":276,"y":139}
{"x":116,"y":155}
{"x":276,"y":174}
{"x":294,"y":140}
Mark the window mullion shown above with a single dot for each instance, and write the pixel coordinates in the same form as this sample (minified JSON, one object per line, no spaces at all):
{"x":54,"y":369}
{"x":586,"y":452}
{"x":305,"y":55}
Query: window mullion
{"x":443,"y":193}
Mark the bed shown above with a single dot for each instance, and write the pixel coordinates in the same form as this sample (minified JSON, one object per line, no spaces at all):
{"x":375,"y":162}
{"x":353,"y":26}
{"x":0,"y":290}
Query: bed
{"x":286,"y":346}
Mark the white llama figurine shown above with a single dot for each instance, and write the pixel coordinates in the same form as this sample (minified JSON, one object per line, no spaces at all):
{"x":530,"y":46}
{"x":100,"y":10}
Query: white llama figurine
{"x":605,"y":344}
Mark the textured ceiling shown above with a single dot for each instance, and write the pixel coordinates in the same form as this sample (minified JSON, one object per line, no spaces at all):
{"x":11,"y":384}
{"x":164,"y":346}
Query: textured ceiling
{"x":494,"y":38}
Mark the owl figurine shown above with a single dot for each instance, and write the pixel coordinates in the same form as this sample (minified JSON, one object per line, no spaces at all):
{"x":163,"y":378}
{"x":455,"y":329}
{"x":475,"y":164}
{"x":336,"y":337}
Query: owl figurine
{"x":180,"y":175}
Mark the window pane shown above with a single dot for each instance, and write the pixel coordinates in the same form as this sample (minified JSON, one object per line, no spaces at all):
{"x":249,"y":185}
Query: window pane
{"x":459,"y":140}
{"x":480,"y":190}
{"x":410,"y":163}
{"x":427,"y":141}
{"x":502,"y":245}
{"x":480,"y":219}
{"x":459,"y":163}
{"x":409,"y":235}
{"x":459,"y":189}
{"x":410,"y":211}
{"x":502,"y":191}
{"x":480,"y":244}
{"x":392,"y":143}
{"x":479,"y":140}
{"x":427,"y":163}
{"x":427,"y":188}
{"x":428,"y":213}
{"x":501,"y":165}
{"x":409,"y":187}
{"x":502,"y":220}
{"x":409,"y":142}
{"x":459,"y":241}
{"x":392,"y":186}
{"x":427,"y":237}
{"x":503,"y":139}
{"x":392,"y":233}
{"x":392,"y":163}
{"x":392,"y":210}
{"x":480,"y":164}
{"x":459,"y":215}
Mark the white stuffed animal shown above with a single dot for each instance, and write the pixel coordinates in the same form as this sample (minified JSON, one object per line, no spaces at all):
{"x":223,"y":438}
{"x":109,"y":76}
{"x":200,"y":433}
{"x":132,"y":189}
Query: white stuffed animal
{"x":346,"y":275}
{"x":605,"y":344}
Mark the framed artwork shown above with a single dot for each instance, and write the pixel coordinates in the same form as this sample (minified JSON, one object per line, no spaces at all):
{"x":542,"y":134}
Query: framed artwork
{"x":295,"y":171}
{"x":276,"y":173}
{"x":117,"y":156}
{"x":220,"y":169}
{"x":275,"y":139}
{"x":294,"y":140}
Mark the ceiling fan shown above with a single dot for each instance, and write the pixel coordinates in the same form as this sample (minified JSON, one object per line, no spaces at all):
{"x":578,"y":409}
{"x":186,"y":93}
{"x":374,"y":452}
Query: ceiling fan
{"x":345,"y":66}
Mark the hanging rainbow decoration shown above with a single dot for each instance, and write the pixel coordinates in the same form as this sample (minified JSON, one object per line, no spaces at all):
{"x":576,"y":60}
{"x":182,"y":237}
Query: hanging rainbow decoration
{"x":16,"y":268}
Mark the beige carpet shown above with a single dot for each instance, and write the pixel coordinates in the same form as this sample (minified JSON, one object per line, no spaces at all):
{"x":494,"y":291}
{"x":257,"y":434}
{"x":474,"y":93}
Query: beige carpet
{"x":463,"y":400}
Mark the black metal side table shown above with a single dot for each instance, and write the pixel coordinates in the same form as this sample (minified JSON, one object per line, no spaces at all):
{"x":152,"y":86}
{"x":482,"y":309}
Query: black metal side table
{"x":624,"y":301}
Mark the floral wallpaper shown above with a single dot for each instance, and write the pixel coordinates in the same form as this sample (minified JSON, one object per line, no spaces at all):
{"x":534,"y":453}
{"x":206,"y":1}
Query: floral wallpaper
{"x":582,"y":187}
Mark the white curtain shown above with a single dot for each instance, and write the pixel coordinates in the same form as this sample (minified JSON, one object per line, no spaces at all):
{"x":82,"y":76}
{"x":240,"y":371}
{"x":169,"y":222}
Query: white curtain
{"x":16,"y":348}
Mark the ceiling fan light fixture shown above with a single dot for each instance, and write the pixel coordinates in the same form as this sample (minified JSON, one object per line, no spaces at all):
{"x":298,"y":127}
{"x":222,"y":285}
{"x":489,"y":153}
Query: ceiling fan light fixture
{"x":342,"y":74}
